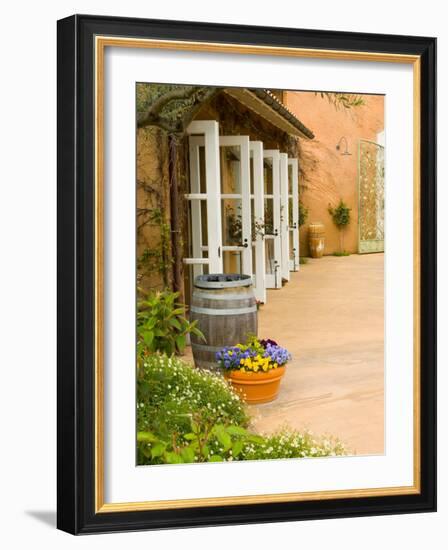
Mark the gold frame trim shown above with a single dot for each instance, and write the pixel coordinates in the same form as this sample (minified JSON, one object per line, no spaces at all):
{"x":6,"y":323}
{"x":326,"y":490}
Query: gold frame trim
{"x":101,"y":42}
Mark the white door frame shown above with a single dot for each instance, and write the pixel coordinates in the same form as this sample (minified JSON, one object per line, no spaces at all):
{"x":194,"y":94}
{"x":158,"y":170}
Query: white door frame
{"x":205,"y":133}
{"x":256,"y":150}
{"x":274,"y":280}
{"x":284,"y":215}
{"x":294,"y":262}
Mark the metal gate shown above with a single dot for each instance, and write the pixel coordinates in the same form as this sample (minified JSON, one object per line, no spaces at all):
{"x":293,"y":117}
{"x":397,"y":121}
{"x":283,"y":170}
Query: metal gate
{"x":370,"y":197}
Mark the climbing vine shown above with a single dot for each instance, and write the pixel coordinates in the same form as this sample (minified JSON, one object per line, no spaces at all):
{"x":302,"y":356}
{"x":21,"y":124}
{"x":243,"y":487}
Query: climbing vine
{"x":303,"y":214}
{"x":342,"y":100}
{"x":156,"y":258}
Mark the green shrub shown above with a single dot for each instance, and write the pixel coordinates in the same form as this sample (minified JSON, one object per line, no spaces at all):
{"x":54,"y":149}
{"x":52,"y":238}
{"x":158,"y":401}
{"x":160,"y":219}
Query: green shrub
{"x":341,"y":218}
{"x":188,"y":415}
{"x":340,"y":214}
{"x":174,"y":400}
{"x":161,"y":324}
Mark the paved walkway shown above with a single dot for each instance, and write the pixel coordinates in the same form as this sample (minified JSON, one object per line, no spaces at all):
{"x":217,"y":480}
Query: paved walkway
{"x":330,"y":316}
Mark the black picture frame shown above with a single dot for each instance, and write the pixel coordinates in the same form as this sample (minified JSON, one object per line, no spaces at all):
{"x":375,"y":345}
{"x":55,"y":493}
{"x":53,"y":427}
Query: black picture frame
{"x":76,"y":254}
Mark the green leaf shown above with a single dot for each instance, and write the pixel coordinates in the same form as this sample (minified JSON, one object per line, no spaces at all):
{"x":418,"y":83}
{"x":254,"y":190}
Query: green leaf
{"x":194,"y":445}
{"x":173,"y":458}
{"x":145,"y":451}
{"x":236,"y":430}
{"x":148,"y":337}
{"x":190,"y":436}
{"x":194,"y":426}
{"x":187,"y":454}
{"x":222,"y":436}
{"x":150,"y":323}
{"x":180,"y":342}
{"x":175,"y":323}
{"x":237,"y":448}
{"x":198,"y":333}
{"x":215,"y":458}
{"x":158,"y":449}
{"x":146,"y":437}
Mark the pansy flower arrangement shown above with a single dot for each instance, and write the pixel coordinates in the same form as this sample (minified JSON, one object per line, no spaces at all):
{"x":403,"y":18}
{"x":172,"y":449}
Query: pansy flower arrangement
{"x":254,"y":356}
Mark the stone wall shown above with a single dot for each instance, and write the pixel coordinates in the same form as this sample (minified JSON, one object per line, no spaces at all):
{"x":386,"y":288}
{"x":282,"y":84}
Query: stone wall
{"x":153,"y":210}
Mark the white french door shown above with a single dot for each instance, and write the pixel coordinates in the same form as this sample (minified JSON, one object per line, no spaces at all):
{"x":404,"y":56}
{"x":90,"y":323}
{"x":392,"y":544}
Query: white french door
{"x":234,"y":200}
{"x":272,"y":240}
{"x":293,"y":224}
{"x":257,"y":220}
{"x":220,"y":201}
{"x":205,"y":204}
{"x":284,"y":216}
{"x":236,"y":204}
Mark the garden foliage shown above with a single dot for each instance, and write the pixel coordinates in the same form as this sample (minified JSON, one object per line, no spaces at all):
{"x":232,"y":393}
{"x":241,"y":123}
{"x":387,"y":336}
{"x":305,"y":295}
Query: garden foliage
{"x":303,"y":213}
{"x":341,"y":218}
{"x":340,"y":214}
{"x":188,"y":415}
{"x":162,"y":325}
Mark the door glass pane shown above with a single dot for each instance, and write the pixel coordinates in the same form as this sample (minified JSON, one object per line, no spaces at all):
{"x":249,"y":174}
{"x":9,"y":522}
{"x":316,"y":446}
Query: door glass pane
{"x":291,"y":244}
{"x":251,"y":167}
{"x":202,"y":180}
{"x":232,"y":261}
{"x":204,"y":223}
{"x":257,"y":224}
{"x":290,"y":218}
{"x":268,"y":185}
{"x":230,"y":169}
{"x":289,"y":179}
{"x":268,"y":216}
{"x":194,"y":226}
{"x":269,"y":255}
{"x":231,"y":222}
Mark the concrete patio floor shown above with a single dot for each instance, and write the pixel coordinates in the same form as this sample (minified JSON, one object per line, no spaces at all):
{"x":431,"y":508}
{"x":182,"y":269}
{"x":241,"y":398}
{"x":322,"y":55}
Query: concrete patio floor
{"x":330,"y":316}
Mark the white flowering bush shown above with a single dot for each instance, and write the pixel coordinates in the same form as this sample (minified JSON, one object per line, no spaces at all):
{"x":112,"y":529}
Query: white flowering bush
{"x":292,"y":444}
{"x":188,"y":415}
{"x":175,"y":400}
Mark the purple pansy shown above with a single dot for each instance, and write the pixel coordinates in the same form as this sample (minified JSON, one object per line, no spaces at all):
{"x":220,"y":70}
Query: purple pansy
{"x":229,"y":358}
{"x":268,"y":342}
{"x":277,"y":354}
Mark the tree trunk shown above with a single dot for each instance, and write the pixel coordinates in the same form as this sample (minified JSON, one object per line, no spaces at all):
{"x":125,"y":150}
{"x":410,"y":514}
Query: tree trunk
{"x":176,"y":240}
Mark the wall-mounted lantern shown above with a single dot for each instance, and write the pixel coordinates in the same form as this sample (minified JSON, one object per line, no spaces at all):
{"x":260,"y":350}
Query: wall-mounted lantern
{"x":339,"y":146}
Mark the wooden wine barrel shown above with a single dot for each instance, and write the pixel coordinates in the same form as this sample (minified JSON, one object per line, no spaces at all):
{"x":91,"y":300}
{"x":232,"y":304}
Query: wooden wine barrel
{"x":226,"y":311}
{"x":316,"y":239}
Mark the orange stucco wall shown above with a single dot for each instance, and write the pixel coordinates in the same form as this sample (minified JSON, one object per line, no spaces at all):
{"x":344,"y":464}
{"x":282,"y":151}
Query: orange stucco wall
{"x":325,"y":175}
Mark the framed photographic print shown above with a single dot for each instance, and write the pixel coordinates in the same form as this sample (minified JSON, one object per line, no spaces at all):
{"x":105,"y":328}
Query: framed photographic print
{"x":246,"y":270}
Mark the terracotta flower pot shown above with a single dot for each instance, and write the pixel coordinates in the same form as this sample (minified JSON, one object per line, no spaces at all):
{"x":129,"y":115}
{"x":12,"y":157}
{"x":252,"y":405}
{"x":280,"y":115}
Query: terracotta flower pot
{"x":257,"y":387}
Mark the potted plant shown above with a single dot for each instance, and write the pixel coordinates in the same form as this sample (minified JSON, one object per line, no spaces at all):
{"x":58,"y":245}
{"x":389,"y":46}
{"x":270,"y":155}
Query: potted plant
{"x":255,"y":368}
{"x":341,"y":218}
